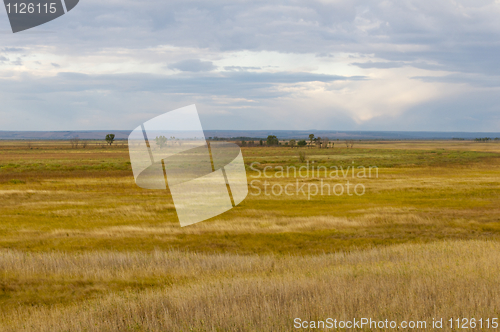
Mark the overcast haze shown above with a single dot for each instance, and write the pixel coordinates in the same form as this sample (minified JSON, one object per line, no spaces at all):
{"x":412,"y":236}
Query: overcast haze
{"x":329,"y":65}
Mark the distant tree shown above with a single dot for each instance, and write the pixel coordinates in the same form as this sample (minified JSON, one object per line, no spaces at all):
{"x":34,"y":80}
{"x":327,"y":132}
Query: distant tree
{"x":243,"y":143}
{"x":292,"y":143}
{"x":318,"y":141}
{"x":311,"y":138}
{"x":74,"y":142}
{"x":302,"y":143}
{"x":272,"y":140}
{"x":326,"y":142}
{"x":349,"y":143}
{"x":261,"y":142}
{"x":110,"y":138}
{"x":161,"y":141}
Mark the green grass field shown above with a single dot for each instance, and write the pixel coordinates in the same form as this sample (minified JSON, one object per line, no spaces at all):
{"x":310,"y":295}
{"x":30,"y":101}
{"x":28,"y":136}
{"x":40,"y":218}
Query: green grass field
{"x":82,"y":248}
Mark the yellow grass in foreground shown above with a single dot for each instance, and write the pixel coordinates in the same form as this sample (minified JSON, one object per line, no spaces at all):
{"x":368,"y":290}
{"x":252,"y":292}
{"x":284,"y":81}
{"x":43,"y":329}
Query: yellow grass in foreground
{"x":227,"y":292}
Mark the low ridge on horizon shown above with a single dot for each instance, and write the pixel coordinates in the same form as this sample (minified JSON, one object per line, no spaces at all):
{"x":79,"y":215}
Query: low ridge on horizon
{"x":283,"y":134}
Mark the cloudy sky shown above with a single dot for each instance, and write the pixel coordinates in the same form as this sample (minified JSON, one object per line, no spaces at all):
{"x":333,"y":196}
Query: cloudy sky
{"x":329,"y":64}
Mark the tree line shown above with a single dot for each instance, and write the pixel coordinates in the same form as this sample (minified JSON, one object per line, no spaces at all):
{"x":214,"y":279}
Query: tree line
{"x":76,"y":141}
{"x":312,"y":142}
{"x":486,"y":139}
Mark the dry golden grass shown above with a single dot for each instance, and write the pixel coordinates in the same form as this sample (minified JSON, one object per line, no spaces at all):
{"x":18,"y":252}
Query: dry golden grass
{"x":493,"y":146}
{"x":264,"y":224}
{"x":263,"y":293}
{"x":82,"y":248}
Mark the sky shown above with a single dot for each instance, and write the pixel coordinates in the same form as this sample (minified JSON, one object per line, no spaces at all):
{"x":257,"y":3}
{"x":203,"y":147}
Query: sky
{"x":401,"y":65}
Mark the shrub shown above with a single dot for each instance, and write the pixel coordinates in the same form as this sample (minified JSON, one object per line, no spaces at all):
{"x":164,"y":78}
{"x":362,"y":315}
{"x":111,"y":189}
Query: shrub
{"x":302,"y":156}
{"x":15,"y":181}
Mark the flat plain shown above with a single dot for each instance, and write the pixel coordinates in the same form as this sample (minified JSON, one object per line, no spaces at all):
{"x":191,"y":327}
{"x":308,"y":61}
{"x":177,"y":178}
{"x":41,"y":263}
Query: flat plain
{"x":82,"y":248}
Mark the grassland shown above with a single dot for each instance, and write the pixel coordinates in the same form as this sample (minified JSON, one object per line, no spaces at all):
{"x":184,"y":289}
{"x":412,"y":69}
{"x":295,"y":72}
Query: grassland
{"x":83,"y":248}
